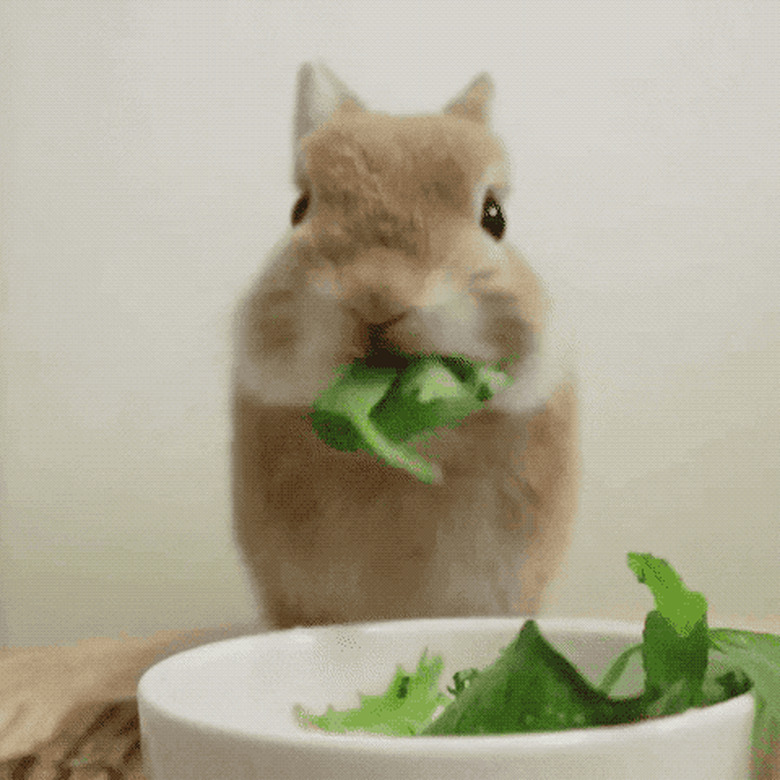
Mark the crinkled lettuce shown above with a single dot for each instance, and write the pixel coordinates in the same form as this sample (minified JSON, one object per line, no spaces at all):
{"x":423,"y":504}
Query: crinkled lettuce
{"x":532,"y":687}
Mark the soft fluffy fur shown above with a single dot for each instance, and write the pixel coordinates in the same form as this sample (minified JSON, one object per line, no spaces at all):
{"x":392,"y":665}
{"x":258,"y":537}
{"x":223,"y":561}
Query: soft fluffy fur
{"x":393,"y":230}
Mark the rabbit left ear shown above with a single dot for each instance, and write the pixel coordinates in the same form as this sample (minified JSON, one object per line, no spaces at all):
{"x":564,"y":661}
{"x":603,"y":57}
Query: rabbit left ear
{"x":474,"y":103}
{"x":320,"y":94}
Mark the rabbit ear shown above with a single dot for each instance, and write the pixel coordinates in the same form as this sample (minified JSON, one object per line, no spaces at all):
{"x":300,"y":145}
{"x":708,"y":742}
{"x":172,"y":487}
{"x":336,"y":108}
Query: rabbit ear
{"x":320,"y":93}
{"x":474,"y":102}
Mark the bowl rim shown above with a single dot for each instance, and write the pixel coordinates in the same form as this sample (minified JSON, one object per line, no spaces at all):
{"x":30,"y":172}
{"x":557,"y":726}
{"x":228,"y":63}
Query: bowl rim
{"x":527,"y":743}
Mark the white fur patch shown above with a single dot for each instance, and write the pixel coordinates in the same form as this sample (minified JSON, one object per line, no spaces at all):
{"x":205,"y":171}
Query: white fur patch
{"x":551,"y":364}
{"x":298,"y":380}
{"x":278,"y":382}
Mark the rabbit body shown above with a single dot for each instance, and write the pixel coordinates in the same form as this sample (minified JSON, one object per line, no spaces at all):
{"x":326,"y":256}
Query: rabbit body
{"x":397,"y":245}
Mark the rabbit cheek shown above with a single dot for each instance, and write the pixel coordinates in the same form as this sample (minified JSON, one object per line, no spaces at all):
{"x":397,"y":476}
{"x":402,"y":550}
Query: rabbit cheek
{"x":506,"y":332}
{"x":287,"y":350}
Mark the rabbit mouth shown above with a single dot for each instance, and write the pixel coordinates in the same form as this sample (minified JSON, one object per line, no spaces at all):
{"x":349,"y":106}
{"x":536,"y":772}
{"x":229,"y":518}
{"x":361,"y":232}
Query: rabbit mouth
{"x":385,"y":347}
{"x":380,"y":352}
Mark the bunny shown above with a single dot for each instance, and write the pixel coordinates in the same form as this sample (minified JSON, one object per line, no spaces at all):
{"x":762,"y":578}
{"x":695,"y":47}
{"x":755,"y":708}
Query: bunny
{"x":397,"y":247}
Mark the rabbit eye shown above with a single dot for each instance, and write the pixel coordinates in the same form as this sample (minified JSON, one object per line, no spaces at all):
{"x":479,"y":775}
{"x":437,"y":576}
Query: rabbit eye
{"x":493,"y":218}
{"x":300,"y":208}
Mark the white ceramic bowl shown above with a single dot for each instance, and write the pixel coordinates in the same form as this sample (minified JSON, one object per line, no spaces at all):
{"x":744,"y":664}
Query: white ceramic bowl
{"x":225,"y":711}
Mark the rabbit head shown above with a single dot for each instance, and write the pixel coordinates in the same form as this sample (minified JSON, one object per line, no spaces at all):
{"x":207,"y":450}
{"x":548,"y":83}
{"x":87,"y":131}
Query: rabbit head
{"x":397,"y":246}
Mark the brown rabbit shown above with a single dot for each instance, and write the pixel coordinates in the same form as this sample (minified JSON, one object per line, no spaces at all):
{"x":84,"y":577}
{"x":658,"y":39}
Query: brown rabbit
{"x":397,"y":242}
{"x":397,"y":245}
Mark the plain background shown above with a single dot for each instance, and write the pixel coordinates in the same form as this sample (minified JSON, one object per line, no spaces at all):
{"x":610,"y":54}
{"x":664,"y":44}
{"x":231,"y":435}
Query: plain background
{"x":146,"y":172}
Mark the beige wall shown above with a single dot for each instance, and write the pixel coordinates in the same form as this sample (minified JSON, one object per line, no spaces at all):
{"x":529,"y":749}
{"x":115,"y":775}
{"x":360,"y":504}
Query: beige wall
{"x":145,"y":173}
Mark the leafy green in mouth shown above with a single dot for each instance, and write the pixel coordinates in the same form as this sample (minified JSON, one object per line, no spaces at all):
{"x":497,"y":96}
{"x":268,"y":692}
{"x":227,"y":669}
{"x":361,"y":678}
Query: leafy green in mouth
{"x":383,"y":410}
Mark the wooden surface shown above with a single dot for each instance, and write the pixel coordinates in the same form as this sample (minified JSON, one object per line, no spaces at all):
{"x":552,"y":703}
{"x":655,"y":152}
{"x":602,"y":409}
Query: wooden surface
{"x":100,"y":741}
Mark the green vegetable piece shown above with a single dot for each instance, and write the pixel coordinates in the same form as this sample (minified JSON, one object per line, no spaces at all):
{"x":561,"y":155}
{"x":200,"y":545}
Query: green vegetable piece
{"x":351,"y":396}
{"x":681,"y":607}
{"x":341,"y":419}
{"x":404,"y":709}
{"x":674,"y":665}
{"x":675,"y":639}
{"x":378,"y":410}
{"x":531,"y":687}
{"x":428,"y":395}
{"x":723,"y":681}
{"x":462,"y":679}
{"x":756,"y":655}
{"x":618,"y":666}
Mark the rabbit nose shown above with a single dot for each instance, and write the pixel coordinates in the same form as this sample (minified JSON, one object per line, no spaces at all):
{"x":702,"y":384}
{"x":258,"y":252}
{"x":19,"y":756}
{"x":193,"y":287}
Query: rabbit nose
{"x":376,"y":308}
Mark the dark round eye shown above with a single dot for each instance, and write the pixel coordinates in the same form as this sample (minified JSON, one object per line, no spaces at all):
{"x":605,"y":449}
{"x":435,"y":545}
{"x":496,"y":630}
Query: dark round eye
{"x":300,"y":208}
{"x":493,"y":218}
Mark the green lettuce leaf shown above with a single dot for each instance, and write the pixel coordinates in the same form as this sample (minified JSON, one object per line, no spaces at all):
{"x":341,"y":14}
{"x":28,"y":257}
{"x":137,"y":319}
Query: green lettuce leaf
{"x":404,"y":709}
{"x":675,"y":639}
{"x":530,"y":687}
{"x":756,"y":655}
{"x":681,"y":608}
{"x":380,"y":410}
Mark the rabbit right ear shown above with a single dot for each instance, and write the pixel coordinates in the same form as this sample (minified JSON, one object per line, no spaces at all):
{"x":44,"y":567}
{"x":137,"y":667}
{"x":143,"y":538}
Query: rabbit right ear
{"x":320,"y":93}
{"x":474,"y":102}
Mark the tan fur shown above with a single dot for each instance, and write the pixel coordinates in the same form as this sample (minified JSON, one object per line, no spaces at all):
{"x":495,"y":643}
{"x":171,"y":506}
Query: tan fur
{"x":333,"y":537}
{"x":393,"y":228}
